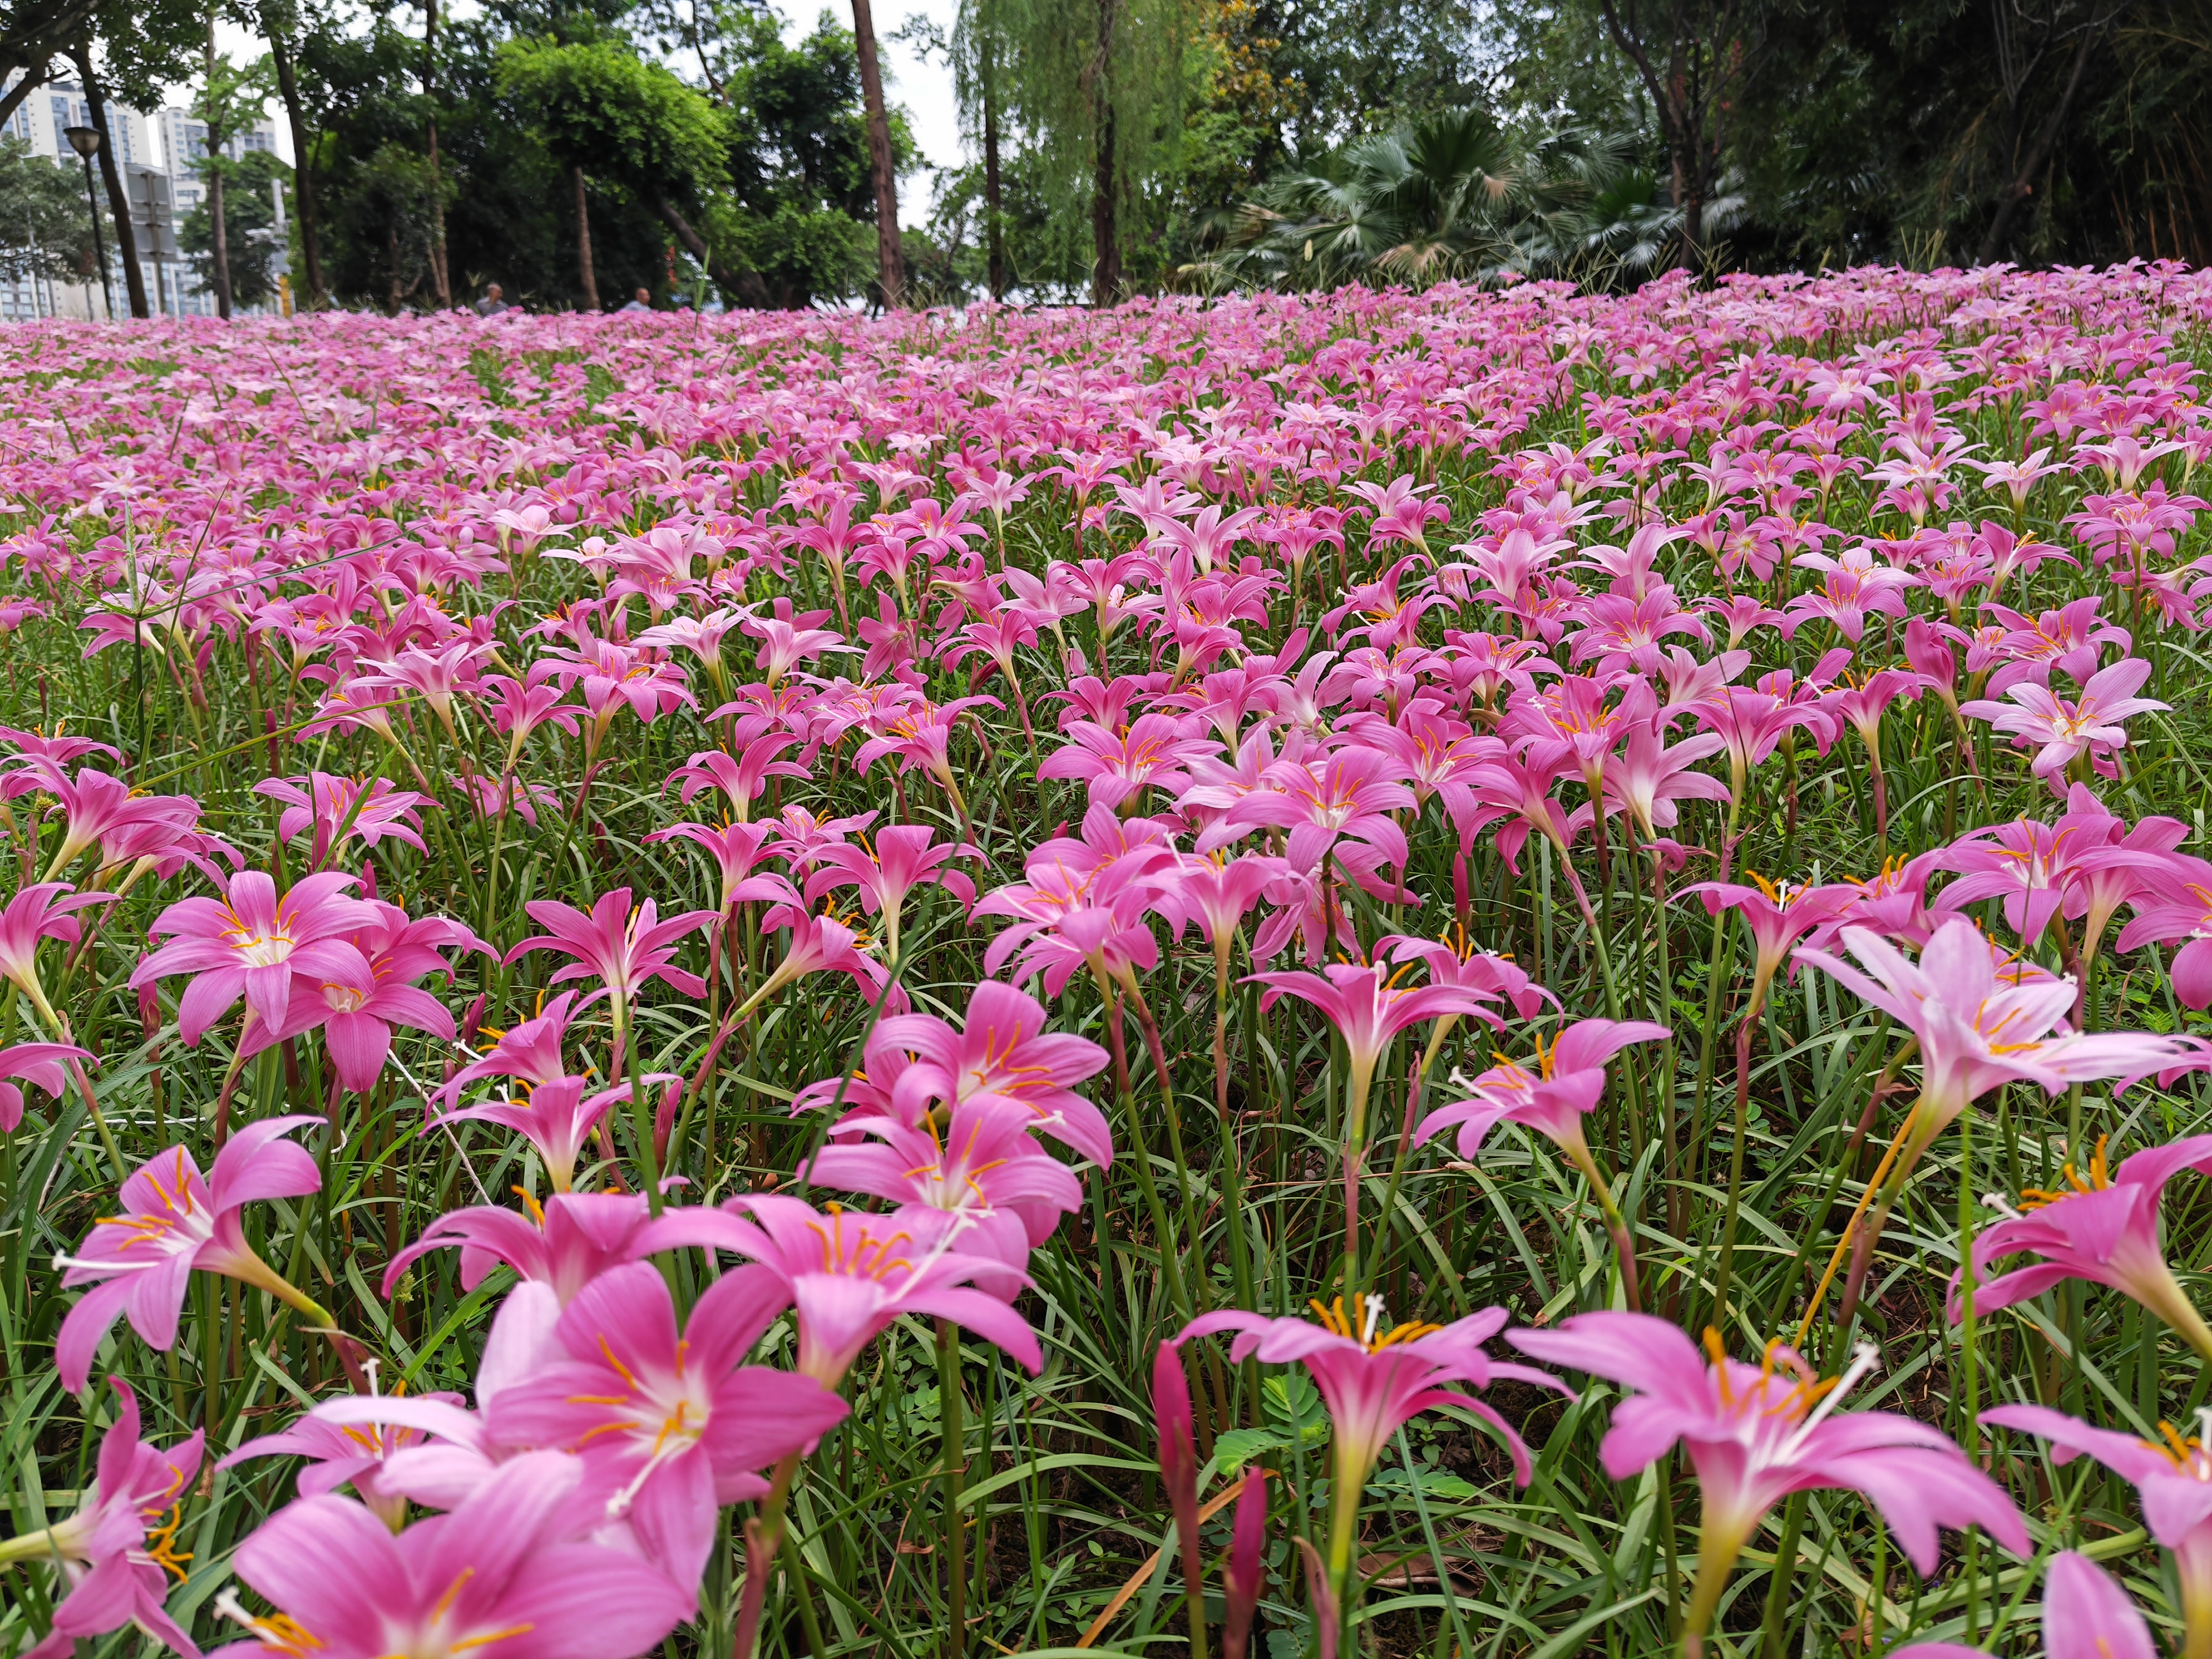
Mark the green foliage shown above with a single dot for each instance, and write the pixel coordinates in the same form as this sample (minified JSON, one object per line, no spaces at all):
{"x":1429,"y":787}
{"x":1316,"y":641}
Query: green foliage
{"x":249,"y":218}
{"x":45,"y":227}
{"x":1452,"y":196}
{"x":598,"y":105}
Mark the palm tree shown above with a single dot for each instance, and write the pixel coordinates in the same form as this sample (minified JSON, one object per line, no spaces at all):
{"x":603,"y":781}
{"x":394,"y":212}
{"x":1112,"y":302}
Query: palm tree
{"x":1454,"y":196}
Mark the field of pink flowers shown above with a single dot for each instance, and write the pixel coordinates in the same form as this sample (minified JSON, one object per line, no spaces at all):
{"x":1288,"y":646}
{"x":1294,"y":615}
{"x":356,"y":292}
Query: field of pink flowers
{"x":1488,"y":973}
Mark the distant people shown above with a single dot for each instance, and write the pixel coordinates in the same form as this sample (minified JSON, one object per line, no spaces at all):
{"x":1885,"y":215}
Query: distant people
{"x":641,"y":301}
{"x":491,"y":305}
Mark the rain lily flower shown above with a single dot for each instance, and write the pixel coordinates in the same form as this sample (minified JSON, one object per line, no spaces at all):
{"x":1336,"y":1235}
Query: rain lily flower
{"x":343,"y":808}
{"x":141,"y":1262}
{"x":116,"y":1553}
{"x":1758,"y":1433}
{"x":356,"y":1017}
{"x":340,"y":1454}
{"x":670,"y":1427}
{"x":40,"y":1064}
{"x":2086,"y":1615}
{"x":1980,"y":1018}
{"x":1568,"y":1080}
{"x":1373,"y":1381}
{"x":979,"y":1163}
{"x":2067,"y":731}
{"x":904,"y":857}
{"x":1367,"y":1007}
{"x":2171,"y":1476}
{"x":1245,"y":1569}
{"x":556,"y":1117}
{"x":2177,"y":904}
{"x":626,"y":947}
{"x":2104,"y":1229}
{"x":564,"y":1243}
{"x":850,"y":1275}
{"x":1001,"y":1057}
{"x":500,"y":1572}
{"x":39,"y":912}
{"x":1178,"y":1460}
{"x":253,"y":943}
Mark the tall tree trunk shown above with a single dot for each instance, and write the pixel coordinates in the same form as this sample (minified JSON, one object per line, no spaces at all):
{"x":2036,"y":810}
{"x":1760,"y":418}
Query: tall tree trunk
{"x":744,"y":285}
{"x":584,"y":242}
{"x":889,"y":259}
{"x":1105,"y":231}
{"x":118,"y":202}
{"x":214,"y":190}
{"x":303,"y":166}
{"x":994,"y":229}
{"x":439,"y":284}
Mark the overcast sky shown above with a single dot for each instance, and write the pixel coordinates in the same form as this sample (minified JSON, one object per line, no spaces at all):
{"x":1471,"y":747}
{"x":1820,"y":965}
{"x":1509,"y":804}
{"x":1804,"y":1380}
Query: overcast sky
{"x":924,"y":90}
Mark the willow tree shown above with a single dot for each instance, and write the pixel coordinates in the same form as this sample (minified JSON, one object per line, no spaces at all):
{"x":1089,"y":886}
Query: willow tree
{"x":1095,"y":90}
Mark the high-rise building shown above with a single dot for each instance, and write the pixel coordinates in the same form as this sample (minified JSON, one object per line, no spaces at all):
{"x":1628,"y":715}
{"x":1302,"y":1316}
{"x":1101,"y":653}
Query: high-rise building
{"x":169,"y":140}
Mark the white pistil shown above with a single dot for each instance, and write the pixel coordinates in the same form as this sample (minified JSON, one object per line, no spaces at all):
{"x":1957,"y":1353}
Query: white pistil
{"x":1864,"y":1358}
{"x":1374,"y":1318}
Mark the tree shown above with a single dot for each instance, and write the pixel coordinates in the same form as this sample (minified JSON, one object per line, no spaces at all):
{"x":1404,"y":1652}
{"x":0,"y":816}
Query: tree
{"x":249,"y":228}
{"x":231,"y":99}
{"x":1692,"y":56}
{"x":1098,"y":88}
{"x":118,"y":204}
{"x":890,"y":274}
{"x":653,"y":136}
{"x":280,"y":26}
{"x":45,"y":227}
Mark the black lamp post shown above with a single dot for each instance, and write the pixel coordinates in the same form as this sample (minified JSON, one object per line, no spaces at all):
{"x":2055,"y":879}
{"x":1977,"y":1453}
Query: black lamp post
{"x":85,"y":141}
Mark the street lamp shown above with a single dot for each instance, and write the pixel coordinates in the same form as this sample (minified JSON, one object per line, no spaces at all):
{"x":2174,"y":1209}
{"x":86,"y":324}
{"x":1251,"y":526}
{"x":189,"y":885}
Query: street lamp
{"x":85,"y":141}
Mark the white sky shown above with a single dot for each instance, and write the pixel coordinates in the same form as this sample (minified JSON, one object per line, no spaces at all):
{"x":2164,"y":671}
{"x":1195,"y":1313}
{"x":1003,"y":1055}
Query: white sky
{"x":923,"y":89}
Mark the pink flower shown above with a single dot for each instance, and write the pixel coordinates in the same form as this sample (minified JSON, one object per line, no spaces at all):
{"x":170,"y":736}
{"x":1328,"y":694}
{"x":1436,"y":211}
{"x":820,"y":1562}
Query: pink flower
{"x":742,"y":778}
{"x":980,"y":1162}
{"x":1758,"y":1433}
{"x":1351,"y":793}
{"x":2177,"y":905}
{"x":1776,"y":917}
{"x":1647,"y":778}
{"x":850,"y":1275}
{"x":564,"y":1244}
{"x":1001,"y":1057}
{"x":904,"y":857}
{"x":141,"y":1262}
{"x":356,"y":1017}
{"x":40,"y":1065}
{"x":1119,"y":764}
{"x":1567,"y":1081}
{"x":626,"y":948}
{"x":116,"y":1550}
{"x":501,"y":1570}
{"x":253,"y":943}
{"x":1981,"y":1018}
{"x":735,"y":848}
{"x":1368,"y":1008}
{"x":670,"y":1427}
{"x":343,"y":809}
{"x":2085,"y":1616}
{"x":2068,"y":730}
{"x":1374,"y":1381}
{"x":2104,"y":1229}
{"x":37,"y":912}
{"x":556,"y":1117}
{"x":339,"y":1455}
{"x":2173,"y":1478}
